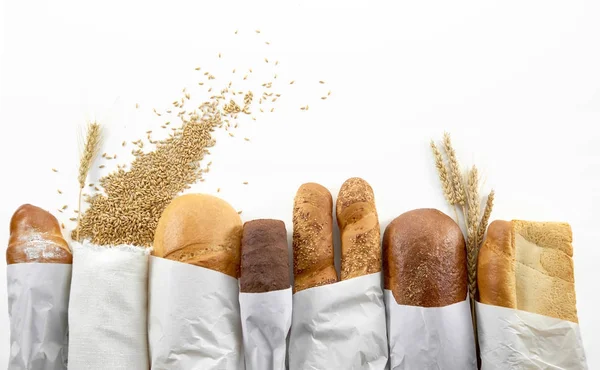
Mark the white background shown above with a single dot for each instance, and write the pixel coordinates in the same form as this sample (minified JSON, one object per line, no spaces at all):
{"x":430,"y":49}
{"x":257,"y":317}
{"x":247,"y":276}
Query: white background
{"x":517,"y":83}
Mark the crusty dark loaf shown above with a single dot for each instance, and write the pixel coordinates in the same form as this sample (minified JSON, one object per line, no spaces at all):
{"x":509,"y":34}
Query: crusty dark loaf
{"x":425,"y":259}
{"x":313,"y":237}
{"x":265,"y":265}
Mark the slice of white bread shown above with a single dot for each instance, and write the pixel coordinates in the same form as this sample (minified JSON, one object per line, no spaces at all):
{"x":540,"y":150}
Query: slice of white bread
{"x":528,"y":266}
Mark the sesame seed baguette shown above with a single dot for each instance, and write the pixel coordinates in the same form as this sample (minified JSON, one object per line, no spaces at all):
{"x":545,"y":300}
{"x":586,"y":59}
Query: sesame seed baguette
{"x":359,"y":229}
{"x":313,"y":237}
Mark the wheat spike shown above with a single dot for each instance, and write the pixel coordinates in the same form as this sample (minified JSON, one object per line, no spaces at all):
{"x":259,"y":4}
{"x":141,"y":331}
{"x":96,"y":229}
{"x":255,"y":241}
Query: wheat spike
{"x":447,"y":187}
{"x":489,"y":204}
{"x":89,"y":152}
{"x":472,"y":220}
{"x":459,"y":190}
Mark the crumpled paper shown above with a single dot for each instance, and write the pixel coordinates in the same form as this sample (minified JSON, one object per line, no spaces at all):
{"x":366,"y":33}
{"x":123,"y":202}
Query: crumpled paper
{"x":339,"y":326}
{"x":193,"y":318}
{"x":108,"y":308}
{"x":430,"y":337}
{"x":266,"y":320}
{"x":38,"y":300}
{"x":514,"y":339}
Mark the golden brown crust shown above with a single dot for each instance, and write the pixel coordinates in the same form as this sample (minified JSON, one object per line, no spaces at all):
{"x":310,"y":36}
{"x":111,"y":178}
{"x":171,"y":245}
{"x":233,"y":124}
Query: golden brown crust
{"x":313,"y":237}
{"x":201,"y":230}
{"x":495,"y":267}
{"x":359,"y":229}
{"x":425,"y":262}
{"x":35,"y":236}
{"x":527,"y":266}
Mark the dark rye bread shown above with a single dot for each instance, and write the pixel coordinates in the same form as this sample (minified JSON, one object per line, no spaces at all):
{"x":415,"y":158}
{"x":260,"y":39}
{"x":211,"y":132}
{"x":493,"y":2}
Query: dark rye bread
{"x":424,"y":259}
{"x":265,"y":266}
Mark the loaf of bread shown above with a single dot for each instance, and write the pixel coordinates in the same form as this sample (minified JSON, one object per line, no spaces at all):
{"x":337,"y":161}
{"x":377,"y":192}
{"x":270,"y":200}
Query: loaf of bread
{"x":359,"y":229}
{"x":424,"y":259}
{"x":265,"y":264}
{"x":528,"y":266}
{"x":35,"y":236}
{"x":313,"y":237}
{"x":201,"y":230}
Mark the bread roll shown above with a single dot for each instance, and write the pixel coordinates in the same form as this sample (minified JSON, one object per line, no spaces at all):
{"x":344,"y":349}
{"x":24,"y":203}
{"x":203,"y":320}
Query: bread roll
{"x":313,"y":237}
{"x":265,"y":264}
{"x":424,"y":259}
{"x":201,"y":230}
{"x":35,"y":236}
{"x":528,"y":266}
{"x":359,"y":229}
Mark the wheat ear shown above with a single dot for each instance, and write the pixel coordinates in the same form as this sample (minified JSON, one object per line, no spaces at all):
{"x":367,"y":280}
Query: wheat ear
{"x":459,"y":190}
{"x":487,"y":212}
{"x":89,"y":152}
{"x":472,"y":221}
{"x":447,"y":186}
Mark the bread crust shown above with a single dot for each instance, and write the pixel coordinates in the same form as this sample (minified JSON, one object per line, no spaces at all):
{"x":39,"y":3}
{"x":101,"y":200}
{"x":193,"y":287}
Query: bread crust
{"x":35,"y":236}
{"x":359,"y":229}
{"x":313,"y":237}
{"x":265,"y":264}
{"x":201,"y":230}
{"x":425,"y":259}
{"x":495,"y":267}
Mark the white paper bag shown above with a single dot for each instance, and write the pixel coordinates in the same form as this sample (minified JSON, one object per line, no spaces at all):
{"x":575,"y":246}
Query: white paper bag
{"x":108,"y":308}
{"x":193,"y":318}
{"x":339,"y":326}
{"x":514,"y":339}
{"x":38,"y":298}
{"x":430,"y":337}
{"x":266,"y":321}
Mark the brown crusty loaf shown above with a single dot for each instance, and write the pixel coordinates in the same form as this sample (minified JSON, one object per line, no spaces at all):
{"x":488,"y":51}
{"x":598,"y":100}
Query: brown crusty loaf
{"x":528,"y":266}
{"x":201,"y":230}
{"x":313,"y":237}
{"x":359,"y":229}
{"x":35,"y":236}
{"x":424,"y":259}
{"x":265,"y":265}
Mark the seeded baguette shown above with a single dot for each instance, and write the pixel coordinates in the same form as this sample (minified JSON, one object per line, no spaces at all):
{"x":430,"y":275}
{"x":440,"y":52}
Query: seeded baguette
{"x":359,"y":229}
{"x":313,"y":237}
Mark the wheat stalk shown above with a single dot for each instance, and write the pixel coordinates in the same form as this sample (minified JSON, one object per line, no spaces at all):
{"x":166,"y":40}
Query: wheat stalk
{"x":485,"y":219}
{"x":89,"y":152}
{"x":459,"y":189}
{"x":472,"y":222}
{"x":447,"y":186}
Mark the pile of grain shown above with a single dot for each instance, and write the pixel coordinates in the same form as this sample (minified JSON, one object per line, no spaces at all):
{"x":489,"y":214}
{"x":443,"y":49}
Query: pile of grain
{"x":133,"y":200}
{"x":128,"y":204}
